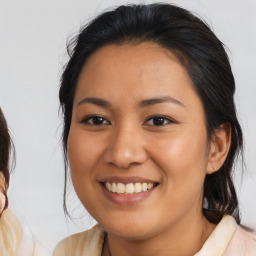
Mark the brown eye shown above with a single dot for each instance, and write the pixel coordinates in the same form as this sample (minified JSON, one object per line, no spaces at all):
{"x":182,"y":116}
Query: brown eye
{"x":96,"y":120}
{"x":158,"y":121}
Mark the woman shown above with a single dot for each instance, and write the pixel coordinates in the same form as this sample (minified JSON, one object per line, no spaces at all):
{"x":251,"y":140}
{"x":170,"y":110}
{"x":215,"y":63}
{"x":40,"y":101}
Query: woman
{"x":14,"y":239}
{"x":151,"y":134}
{"x":10,"y":228}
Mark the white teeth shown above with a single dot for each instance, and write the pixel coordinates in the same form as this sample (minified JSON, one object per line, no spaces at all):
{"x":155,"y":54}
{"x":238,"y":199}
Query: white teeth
{"x":144,"y":186}
{"x":120,"y":188}
{"x":108,"y":186}
{"x":114,"y":188}
{"x":129,"y":188}
{"x":150,"y":185}
{"x":137,"y":187}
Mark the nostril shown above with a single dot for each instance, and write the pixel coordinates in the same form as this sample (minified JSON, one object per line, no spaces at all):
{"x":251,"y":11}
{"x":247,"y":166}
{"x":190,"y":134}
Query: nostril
{"x":125,"y":146}
{"x":124,"y":157}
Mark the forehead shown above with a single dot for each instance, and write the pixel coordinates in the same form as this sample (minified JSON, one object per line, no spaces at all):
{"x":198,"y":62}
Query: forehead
{"x":136,"y":71}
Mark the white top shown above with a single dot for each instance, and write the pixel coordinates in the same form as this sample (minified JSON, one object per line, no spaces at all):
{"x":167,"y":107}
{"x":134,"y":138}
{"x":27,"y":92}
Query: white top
{"x":17,"y":239}
{"x":11,"y":233}
{"x":227,"y":239}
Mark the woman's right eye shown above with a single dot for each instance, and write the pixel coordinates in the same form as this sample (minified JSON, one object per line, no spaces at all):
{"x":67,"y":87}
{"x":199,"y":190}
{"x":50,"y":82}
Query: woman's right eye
{"x":95,"y":120}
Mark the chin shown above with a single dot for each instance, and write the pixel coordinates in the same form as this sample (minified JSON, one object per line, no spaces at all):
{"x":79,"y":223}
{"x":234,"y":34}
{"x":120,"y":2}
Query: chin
{"x":131,"y":230}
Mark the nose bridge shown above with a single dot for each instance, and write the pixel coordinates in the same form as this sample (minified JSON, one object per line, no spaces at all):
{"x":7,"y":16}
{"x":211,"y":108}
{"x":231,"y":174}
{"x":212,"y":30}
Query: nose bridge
{"x":126,"y":146}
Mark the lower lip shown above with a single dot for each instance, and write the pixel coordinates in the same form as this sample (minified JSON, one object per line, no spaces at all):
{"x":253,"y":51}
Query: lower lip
{"x":126,"y":199}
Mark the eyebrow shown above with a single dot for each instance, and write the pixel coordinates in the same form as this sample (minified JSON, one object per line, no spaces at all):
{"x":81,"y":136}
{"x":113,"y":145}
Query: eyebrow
{"x":142,"y":104}
{"x":159,"y":100}
{"x":95,"y":101}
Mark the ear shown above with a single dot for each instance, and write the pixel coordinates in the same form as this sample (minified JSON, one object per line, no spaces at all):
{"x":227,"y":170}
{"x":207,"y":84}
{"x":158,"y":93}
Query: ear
{"x":219,"y":148}
{"x":2,"y":196}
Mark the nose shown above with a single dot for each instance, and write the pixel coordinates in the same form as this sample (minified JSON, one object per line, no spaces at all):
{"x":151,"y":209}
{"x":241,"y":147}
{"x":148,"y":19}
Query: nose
{"x":126,"y":148}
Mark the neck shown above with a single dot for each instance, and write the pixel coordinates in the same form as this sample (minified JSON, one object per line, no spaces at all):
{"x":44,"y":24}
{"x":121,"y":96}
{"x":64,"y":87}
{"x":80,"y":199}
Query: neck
{"x":184,"y":239}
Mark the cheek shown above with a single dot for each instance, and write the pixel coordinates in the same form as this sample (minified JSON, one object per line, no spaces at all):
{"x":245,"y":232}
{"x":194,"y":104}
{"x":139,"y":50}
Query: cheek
{"x":82,"y":154}
{"x":183,"y":165}
{"x":82,"y":151}
{"x":182,"y":158}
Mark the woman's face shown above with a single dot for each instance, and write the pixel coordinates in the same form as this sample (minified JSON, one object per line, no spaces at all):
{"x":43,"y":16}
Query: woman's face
{"x":137,"y":146}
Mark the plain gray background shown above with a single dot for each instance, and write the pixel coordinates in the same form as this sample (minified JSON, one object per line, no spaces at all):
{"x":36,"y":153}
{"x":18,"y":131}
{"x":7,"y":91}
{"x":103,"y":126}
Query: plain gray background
{"x":33,"y":36}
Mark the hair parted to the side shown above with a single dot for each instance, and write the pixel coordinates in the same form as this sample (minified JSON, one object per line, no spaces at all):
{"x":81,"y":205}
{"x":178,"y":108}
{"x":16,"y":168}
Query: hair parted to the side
{"x":199,"y":51}
{"x":5,"y":151}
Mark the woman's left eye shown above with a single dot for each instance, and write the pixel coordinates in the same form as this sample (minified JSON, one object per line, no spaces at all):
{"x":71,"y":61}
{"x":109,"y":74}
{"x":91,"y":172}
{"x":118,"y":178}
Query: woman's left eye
{"x":158,"y":121}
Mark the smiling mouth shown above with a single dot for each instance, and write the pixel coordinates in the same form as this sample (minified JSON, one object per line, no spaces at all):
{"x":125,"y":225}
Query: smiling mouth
{"x":130,"y":188}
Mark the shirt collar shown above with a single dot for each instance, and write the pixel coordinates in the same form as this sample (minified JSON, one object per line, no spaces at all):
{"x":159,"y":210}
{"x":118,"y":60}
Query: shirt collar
{"x":219,"y":239}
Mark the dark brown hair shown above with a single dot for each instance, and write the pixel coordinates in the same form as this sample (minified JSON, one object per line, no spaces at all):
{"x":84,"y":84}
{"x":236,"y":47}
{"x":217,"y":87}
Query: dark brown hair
{"x":200,"y":52}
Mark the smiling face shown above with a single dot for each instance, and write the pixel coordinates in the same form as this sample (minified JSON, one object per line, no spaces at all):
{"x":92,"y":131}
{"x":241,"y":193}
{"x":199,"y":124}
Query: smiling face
{"x":137,"y":146}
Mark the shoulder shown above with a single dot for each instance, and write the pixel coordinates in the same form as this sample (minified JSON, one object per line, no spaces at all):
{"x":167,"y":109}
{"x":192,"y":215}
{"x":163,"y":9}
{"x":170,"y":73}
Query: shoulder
{"x":30,"y":245}
{"x":229,"y":239}
{"x":242,"y":243}
{"x":89,"y":242}
{"x":11,"y":232}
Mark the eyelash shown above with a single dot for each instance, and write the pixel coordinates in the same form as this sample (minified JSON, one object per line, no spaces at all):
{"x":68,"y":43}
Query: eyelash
{"x":93,"y":118}
{"x":163,"y":120}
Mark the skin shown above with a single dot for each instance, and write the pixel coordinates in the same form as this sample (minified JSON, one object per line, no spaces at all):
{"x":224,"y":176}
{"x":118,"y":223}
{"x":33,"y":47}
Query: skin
{"x":177,"y":154}
{"x":2,"y":187}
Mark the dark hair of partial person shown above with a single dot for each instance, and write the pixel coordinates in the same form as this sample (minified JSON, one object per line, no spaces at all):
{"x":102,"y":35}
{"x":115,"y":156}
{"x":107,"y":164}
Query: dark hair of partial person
{"x":5,"y":151}
{"x":198,"y":50}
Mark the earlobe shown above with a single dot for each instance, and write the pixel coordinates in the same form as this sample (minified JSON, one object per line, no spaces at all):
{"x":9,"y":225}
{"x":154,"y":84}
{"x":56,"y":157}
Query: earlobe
{"x":2,"y":195}
{"x":219,"y":148}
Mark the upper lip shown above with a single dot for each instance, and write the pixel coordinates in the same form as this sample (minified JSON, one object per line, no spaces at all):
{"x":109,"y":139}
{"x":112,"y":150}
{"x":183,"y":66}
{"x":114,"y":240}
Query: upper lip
{"x":127,"y":180}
